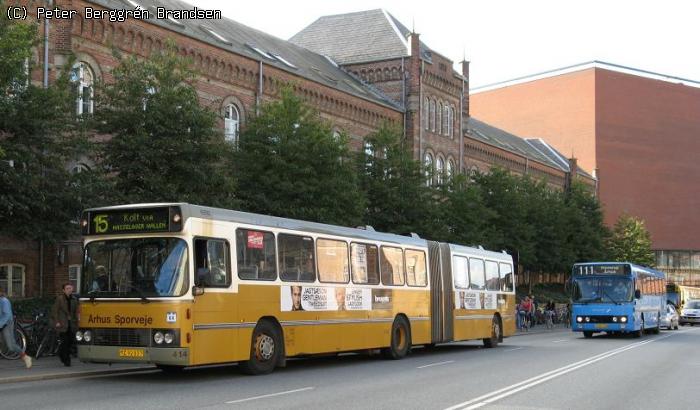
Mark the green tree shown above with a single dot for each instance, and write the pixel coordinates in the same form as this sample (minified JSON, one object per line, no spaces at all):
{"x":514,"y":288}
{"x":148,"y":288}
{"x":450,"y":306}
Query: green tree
{"x":586,"y":233}
{"x":465,"y":218}
{"x":164,"y":144}
{"x":398,"y":199}
{"x":289,"y":164}
{"x":39,"y":135}
{"x":631,"y":242}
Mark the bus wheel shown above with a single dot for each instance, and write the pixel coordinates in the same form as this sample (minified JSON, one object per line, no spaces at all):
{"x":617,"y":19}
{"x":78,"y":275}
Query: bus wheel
{"x":639,"y":332}
{"x":587,"y":335}
{"x":400,"y":339}
{"x":495,"y":333}
{"x":657,"y":329}
{"x":264,"y":350}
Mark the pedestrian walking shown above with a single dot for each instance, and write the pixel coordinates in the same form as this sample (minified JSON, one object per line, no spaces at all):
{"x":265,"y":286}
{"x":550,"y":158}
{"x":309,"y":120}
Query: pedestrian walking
{"x":7,"y":324}
{"x":64,"y":316}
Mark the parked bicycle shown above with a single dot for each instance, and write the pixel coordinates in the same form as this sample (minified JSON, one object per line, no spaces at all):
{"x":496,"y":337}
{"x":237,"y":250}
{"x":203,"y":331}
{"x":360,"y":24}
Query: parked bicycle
{"x":20,"y":339}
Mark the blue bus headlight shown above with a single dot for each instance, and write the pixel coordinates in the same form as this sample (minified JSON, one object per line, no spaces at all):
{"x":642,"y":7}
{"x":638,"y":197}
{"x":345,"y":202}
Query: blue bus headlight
{"x":614,"y":318}
{"x":588,"y":319}
{"x":623,"y":319}
{"x":579,"y":319}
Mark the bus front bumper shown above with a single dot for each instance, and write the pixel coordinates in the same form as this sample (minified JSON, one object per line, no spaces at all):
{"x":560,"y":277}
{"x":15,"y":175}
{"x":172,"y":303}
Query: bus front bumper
{"x":176,"y":356}
{"x":602,"y":327}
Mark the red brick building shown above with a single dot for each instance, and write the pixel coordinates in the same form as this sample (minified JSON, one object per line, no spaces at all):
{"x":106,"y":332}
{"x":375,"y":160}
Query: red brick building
{"x":355,"y":87}
{"x":638,"y":131}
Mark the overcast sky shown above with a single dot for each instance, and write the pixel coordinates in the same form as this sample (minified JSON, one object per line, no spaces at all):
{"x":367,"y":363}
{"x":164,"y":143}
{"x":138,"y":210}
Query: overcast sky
{"x":508,"y":39}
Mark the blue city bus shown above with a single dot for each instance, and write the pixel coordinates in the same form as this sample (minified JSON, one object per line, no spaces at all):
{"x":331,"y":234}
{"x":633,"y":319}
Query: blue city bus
{"x":616,"y":297}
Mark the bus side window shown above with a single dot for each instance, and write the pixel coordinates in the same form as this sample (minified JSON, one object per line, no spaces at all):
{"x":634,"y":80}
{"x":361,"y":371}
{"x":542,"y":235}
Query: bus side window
{"x":492,"y":275}
{"x":296,"y":258}
{"x":416,"y":272}
{"x":211,"y":258}
{"x":365,"y":264}
{"x":391,"y":262}
{"x":460,"y":272}
{"x":332,"y":258}
{"x":506,"y":280}
{"x":476,"y":274}
{"x":255,"y":251}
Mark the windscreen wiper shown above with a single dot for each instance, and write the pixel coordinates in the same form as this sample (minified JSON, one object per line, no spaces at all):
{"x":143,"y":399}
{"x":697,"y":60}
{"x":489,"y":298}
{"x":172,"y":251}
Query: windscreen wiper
{"x":609,"y":297}
{"x":143,"y":297}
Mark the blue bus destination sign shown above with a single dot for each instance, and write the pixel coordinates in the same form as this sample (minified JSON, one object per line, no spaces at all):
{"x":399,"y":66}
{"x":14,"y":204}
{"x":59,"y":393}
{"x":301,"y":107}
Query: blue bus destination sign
{"x":601,"y":269}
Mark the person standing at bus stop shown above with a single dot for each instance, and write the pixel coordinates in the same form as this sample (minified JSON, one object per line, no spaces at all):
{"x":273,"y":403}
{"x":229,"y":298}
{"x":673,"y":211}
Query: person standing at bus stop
{"x":64,"y":316}
{"x":7,"y":326}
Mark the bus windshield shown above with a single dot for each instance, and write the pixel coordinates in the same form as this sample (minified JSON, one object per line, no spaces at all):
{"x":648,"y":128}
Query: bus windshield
{"x":603,"y":290}
{"x":143,"y":267}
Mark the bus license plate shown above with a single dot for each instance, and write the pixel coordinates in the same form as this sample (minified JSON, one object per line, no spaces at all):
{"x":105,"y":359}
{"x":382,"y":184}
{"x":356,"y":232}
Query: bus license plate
{"x":131,"y":353}
{"x":601,"y":325}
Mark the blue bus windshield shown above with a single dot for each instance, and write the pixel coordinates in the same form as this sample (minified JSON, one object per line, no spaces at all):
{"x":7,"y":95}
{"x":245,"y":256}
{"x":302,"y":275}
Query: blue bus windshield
{"x":603,"y":290}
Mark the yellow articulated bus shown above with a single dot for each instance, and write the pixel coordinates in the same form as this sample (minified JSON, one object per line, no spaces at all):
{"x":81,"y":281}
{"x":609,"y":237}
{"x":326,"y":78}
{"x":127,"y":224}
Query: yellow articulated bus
{"x":184,"y":285}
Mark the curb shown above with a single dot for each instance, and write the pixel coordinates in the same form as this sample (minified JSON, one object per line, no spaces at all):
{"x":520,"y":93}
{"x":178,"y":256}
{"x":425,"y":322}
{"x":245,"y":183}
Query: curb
{"x":64,"y":375}
{"x":543,"y":331}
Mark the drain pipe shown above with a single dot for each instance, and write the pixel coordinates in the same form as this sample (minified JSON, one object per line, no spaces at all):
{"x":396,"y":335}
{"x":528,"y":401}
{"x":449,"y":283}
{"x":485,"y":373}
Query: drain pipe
{"x":46,"y":85}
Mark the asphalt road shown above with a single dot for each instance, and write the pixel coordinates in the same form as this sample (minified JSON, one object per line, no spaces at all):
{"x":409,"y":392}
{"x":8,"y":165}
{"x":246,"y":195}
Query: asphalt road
{"x":558,"y":370}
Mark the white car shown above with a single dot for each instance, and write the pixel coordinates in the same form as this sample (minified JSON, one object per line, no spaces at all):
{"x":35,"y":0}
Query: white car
{"x":690,"y":313}
{"x":669,"y":318}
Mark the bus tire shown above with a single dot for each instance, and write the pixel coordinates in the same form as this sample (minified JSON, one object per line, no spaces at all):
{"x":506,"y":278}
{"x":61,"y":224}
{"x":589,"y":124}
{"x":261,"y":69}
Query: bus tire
{"x":400,"y":339}
{"x":587,"y":334}
{"x":170,"y":369}
{"x":496,"y":333}
{"x":265,"y":348}
{"x":640,"y":332}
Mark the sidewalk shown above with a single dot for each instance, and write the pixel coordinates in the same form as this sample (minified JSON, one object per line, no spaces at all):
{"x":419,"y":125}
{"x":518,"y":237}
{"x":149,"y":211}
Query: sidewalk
{"x":13,"y":371}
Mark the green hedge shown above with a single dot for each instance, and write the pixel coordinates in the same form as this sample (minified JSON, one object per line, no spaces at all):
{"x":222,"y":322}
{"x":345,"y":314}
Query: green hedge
{"x":26,"y":308}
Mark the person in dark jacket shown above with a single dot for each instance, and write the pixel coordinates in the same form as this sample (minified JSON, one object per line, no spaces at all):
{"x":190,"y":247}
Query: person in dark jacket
{"x":64,"y":316}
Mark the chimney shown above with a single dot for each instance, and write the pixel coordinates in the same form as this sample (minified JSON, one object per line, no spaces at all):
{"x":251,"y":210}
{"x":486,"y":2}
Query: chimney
{"x":414,"y":63}
{"x":465,"y":74}
{"x":573,"y":172}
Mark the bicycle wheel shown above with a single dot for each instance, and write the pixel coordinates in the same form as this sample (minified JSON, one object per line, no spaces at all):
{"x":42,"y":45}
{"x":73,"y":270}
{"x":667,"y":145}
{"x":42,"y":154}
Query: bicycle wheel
{"x":47,"y":345}
{"x":20,"y":340}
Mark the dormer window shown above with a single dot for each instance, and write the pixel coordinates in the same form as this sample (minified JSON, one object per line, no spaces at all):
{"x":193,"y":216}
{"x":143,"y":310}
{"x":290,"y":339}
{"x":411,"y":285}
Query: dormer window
{"x":284,"y":61}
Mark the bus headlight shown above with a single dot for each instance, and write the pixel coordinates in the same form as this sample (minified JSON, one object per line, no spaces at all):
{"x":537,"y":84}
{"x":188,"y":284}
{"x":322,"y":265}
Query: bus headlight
{"x":614,"y":318}
{"x":623,"y":319}
{"x":79,"y":336}
{"x":168,"y":337}
{"x":158,"y":338}
{"x":579,"y":319}
{"x":588,"y":319}
{"x":87,"y":336}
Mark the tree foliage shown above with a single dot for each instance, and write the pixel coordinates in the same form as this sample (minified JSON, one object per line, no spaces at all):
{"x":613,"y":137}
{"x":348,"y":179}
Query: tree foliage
{"x":39,"y":135}
{"x":398,"y":199}
{"x":289,"y":164}
{"x":631,"y":242}
{"x":164,"y":143}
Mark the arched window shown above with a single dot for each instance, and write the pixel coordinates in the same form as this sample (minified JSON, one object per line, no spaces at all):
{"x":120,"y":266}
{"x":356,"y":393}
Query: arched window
{"x":12,"y":279}
{"x":432,"y":115}
{"x":452,"y":121}
{"x":450,"y":168}
{"x":428,"y":163}
{"x":439,"y":118}
{"x":440,"y":170}
{"x":84,"y":79}
{"x":446,"y":121}
{"x":232,"y":118}
{"x":426,"y":113}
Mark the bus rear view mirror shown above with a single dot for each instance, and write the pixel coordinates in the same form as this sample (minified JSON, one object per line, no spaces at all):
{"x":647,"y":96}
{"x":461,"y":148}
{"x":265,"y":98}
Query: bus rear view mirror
{"x":637,"y":294}
{"x":197,"y":291}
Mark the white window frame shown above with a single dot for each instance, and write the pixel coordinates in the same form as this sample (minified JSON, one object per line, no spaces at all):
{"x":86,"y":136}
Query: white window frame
{"x":428,"y":163}
{"x":440,"y":169}
{"x":8,"y":283}
{"x":76,"y":282}
{"x":231,"y":125}
{"x":79,"y":70}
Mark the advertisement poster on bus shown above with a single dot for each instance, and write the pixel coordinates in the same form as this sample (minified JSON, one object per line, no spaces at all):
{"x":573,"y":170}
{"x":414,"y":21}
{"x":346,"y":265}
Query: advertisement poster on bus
{"x":466,"y":299}
{"x":316,"y":298}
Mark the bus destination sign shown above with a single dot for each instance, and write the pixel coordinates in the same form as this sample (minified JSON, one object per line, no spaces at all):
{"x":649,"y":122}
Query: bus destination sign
{"x":136,"y":220}
{"x":616,"y":269}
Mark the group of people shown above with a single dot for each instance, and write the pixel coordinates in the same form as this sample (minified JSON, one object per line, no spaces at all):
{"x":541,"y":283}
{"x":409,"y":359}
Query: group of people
{"x":527,"y":313}
{"x":64,"y":319}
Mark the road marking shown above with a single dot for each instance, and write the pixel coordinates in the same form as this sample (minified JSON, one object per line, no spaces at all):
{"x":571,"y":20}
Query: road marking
{"x":533,"y":381}
{"x":435,"y":364}
{"x":558,"y":341}
{"x":512,"y":350}
{"x":270,"y":395}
